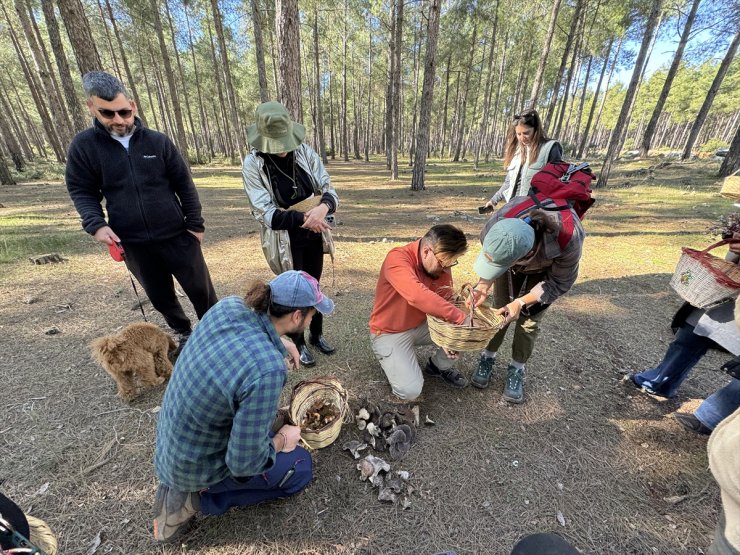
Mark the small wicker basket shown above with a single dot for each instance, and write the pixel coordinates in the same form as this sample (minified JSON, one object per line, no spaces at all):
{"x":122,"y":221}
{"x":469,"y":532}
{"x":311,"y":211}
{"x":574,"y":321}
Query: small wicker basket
{"x":305,"y":394}
{"x":731,"y":187}
{"x":455,"y":337}
{"x":704,"y":280}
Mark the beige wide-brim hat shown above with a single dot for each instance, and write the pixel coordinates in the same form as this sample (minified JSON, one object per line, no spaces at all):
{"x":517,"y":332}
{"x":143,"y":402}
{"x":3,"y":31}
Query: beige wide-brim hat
{"x":273,"y":131}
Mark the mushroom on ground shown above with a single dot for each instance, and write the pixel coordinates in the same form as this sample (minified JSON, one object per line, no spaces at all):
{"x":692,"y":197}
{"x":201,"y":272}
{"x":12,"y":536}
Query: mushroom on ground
{"x":363,"y":414}
{"x":371,"y":466}
{"x":354,"y":447}
{"x":399,"y":442}
{"x":361,"y":424}
{"x":415,"y":412}
{"x":386,"y":494}
{"x":373,"y":429}
{"x":394,"y":483}
{"x":428,"y":421}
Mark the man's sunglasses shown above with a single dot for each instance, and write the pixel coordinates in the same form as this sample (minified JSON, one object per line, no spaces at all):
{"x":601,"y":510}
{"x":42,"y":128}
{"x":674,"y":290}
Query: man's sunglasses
{"x":110,"y":114}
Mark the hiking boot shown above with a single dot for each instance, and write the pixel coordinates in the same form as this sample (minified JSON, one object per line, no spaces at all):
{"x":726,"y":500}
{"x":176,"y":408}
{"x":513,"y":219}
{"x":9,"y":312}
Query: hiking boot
{"x":172,"y":511}
{"x":182,"y":338}
{"x":451,"y":377}
{"x":692,"y":423}
{"x":482,"y":376}
{"x":306,"y":356}
{"x":514,"y":388}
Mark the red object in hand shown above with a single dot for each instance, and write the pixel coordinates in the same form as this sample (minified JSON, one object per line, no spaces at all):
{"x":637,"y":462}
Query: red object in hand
{"x":116,"y":251}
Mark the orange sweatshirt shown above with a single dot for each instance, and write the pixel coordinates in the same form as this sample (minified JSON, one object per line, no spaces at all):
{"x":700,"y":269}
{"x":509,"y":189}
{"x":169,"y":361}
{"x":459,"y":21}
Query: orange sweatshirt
{"x":405,"y":294}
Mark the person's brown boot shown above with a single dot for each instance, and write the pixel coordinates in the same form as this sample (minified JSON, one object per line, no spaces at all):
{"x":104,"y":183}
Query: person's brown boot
{"x":173,"y":510}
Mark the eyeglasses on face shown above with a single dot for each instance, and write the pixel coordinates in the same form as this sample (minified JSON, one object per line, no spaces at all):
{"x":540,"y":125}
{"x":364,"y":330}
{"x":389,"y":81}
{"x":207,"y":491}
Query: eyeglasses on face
{"x":110,"y":114}
{"x":445,"y":266}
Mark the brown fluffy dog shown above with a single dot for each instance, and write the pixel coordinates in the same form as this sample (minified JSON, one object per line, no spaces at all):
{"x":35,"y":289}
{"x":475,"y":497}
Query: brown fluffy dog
{"x":137,"y":350}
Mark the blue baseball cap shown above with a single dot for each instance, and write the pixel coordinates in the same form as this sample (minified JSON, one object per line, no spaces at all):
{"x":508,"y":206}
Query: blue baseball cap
{"x":508,"y":240}
{"x":296,"y":289}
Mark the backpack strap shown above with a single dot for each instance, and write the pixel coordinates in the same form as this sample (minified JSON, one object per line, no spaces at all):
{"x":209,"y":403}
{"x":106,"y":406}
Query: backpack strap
{"x":573,"y":168}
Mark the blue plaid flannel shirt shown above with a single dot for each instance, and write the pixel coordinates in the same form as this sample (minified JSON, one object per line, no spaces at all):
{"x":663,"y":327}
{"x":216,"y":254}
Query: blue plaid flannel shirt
{"x":221,"y":400}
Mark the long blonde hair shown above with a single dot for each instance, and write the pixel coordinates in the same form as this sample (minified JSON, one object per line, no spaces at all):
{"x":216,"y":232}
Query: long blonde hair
{"x":530,"y":118}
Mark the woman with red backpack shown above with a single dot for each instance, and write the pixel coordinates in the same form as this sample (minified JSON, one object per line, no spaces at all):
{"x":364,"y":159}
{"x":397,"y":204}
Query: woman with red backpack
{"x":526,"y":152}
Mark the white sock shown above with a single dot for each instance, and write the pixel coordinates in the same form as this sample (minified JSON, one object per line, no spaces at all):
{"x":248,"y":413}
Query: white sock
{"x":488,"y":354}
{"x":517,"y":365}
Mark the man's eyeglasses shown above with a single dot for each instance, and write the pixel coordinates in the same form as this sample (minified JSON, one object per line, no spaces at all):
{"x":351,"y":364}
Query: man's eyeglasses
{"x":445,"y":266}
{"x":110,"y":114}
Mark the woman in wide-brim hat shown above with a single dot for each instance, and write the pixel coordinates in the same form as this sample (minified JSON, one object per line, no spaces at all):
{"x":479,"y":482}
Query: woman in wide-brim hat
{"x":290,"y":194}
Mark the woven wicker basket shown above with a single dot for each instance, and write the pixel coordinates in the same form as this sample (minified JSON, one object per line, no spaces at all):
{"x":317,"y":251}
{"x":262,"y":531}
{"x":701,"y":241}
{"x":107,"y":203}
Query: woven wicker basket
{"x":731,"y":186}
{"x":305,"y":394}
{"x":455,"y":337}
{"x":705,"y":280}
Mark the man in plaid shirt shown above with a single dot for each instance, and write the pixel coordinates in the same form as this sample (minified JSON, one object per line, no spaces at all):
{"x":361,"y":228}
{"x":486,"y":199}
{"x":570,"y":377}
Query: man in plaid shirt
{"x":215,"y":448}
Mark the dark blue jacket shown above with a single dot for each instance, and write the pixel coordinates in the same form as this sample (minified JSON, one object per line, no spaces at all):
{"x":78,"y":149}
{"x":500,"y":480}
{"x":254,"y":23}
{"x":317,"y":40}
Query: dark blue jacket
{"x":149,"y":192}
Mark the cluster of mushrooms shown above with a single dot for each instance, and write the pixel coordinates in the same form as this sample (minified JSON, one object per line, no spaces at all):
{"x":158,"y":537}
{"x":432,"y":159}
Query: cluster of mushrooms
{"x":391,"y":429}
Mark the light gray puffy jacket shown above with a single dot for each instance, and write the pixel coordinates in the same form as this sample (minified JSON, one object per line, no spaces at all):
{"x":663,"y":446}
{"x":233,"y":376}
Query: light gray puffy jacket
{"x":275,"y":242}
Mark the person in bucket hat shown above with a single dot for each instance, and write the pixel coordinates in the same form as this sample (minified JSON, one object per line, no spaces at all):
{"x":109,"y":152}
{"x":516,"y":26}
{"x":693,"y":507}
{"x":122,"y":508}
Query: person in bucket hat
{"x":530,"y":256}
{"x":218,"y":444}
{"x":290,"y":195}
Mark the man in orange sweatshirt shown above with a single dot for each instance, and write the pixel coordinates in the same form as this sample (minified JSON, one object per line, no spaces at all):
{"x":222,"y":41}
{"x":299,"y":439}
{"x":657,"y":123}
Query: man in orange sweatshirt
{"x":416,"y":280}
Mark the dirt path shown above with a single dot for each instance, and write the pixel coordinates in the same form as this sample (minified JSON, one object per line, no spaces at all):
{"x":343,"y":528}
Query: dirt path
{"x":603,"y":457}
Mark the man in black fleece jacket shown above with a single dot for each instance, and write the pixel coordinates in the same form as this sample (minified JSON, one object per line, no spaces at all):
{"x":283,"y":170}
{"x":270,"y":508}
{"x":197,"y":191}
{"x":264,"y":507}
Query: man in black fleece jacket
{"x":151,"y":202}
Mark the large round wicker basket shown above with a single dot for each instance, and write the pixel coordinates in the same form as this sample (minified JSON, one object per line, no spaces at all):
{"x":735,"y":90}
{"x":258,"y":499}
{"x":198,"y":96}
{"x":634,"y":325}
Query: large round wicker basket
{"x":476,"y":335}
{"x":305,"y":394}
{"x":704,"y":280}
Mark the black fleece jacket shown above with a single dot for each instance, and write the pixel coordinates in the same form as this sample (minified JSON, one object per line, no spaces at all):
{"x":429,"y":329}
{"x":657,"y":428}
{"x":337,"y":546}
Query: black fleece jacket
{"x":148,"y":190}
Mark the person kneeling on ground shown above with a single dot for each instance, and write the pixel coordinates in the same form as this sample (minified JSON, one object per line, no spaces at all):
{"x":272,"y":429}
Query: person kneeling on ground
{"x":529,"y":264}
{"x":215,"y":449}
{"x":416,"y":280}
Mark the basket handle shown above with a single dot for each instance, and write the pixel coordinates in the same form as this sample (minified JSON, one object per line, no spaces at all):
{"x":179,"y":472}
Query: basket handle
{"x":719,"y":244}
{"x":468,"y":288}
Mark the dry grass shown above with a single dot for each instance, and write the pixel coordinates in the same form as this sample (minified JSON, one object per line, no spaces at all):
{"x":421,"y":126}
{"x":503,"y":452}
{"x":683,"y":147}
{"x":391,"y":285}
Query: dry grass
{"x":486,"y":474}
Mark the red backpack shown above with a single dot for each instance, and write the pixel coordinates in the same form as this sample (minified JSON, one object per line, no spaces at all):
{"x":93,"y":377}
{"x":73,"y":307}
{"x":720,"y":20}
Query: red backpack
{"x":565,"y":181}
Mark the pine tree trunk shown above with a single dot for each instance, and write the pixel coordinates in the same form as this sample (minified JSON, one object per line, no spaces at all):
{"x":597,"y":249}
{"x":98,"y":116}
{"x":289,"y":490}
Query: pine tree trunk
{"x":487,"y":94}
{"x":446,"y":104}
{"x":259,"y":51}
{"x":181,"y":73}
{"x":731,"y":163}
{"x":389,"y":88}
{"x":111,"y":51}
{"x":537,"y":85}
{"x":498,"y":94}
{"x":603,"y":99}
{"x":5,"y":176}
{"x":131,"y":82}
{"x":569,"y":79}
{"x":709,"y":99}
{"x":63,"y":127}
{"x":289,"y":56}
{"x":224,"y":121}
{"x":663,"y":96}
{"x":204,"y":128}
{"x":80,"y":37}
{"x":36,"y":93}
{"x":616,"y":135}
{"x":182,"y":142}
{"x":563,"y":61}
{"x":427,"y":97}
{"x":464,"y":107}
{"x":317,"y":80}
{"x":397,"y":106}
{"x":239,"y":130}
{"x":9,"y":137}
{"x":345,"y":138}
{"x":369,"y":96}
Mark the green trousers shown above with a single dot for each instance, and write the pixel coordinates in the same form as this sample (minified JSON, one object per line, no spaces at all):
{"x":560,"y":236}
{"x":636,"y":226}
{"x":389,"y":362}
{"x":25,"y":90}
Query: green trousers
{"x":526,"y":328}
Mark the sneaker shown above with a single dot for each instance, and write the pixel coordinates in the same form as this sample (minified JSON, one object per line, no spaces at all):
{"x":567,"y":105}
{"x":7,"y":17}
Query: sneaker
{"x":692,"y":423}
{"x":451,"y":377}
{"x":172,"y":511}
{"x":482,"y":376}
{"x":629,"y":379}
{"x":514,"y":388}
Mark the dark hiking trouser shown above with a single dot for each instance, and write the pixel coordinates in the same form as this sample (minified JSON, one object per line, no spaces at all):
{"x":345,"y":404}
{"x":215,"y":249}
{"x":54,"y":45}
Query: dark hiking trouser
{"x":155,"y":264}
{"x":308,"y":255}
{"x":527,"y":327}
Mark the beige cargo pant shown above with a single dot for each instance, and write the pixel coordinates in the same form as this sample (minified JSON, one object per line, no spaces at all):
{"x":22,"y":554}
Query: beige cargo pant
{"x":396,"y":355}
